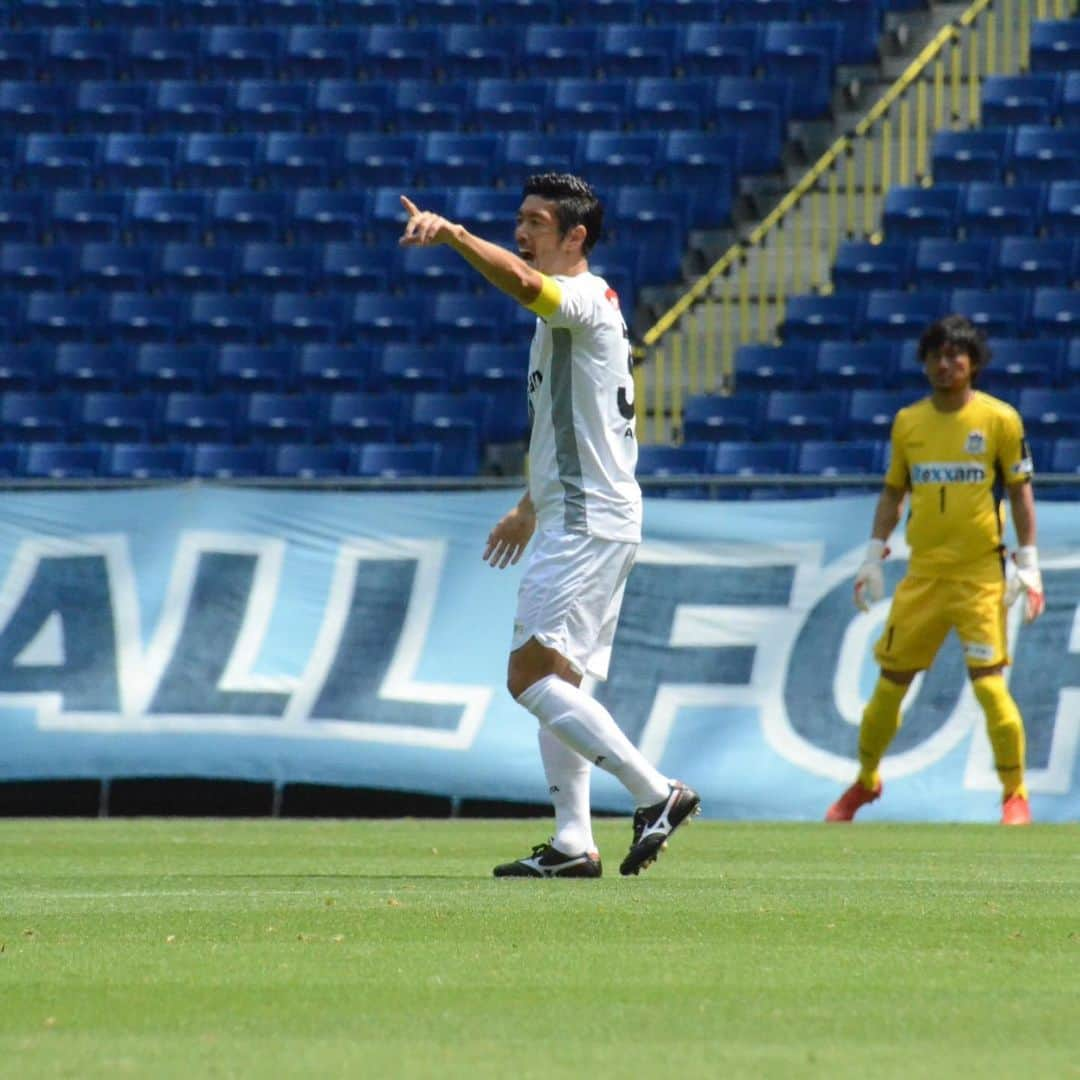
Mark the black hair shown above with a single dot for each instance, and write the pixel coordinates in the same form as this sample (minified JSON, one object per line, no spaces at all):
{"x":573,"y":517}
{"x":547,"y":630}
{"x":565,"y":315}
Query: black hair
{"x":958,"y":334}
{"x":575,"y":203}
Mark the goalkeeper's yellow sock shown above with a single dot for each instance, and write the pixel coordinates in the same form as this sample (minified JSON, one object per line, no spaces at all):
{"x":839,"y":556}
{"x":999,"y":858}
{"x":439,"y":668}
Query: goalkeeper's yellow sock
{"x":1005,"y":728}
{"x":880,"y":722}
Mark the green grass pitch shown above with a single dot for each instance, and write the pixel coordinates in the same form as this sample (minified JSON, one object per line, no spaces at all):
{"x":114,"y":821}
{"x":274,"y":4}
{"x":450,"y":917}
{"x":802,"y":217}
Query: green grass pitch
{"x":181,"y":948}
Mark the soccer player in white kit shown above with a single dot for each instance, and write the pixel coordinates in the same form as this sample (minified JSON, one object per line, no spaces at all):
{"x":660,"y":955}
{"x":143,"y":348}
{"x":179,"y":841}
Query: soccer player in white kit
{"x":584,"y":505}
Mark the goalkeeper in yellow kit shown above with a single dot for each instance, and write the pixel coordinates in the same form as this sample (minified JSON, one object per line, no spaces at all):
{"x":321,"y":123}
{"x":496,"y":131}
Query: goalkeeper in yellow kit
{"x":954,"y":452}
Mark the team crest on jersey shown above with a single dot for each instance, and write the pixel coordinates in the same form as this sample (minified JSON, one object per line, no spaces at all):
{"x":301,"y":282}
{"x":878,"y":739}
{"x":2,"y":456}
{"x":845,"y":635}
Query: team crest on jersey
{"x":611,"y":295}
{"x":976,"y":443}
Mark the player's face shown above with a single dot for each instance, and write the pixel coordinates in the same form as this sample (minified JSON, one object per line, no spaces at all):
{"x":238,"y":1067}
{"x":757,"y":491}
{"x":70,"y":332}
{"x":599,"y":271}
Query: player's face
{"x":948,"y":369}
{"x":537,"y":236}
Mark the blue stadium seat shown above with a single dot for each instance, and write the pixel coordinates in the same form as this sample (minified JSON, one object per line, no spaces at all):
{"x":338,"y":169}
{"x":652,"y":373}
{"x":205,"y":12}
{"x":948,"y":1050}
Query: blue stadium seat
{"x":705,"y":164}
{"x":374,"y":159}
{"x":56,"y":161}
{"x":194,"y":417}
{"x":490,"y":212}
{"x":943,"y":264}
{"x":630,"y":49}
{"x":366,"y":12}
{"x":129,"y":13}
{"x":460,"y":318}
{"x":55,"y":461}
{"x":1066,"y":456}
{"x":21,"y":216}
{"x":139,"y":160}
{"x":805,"y":54}
{"x":495,"y":369}
{"x":1062,"y":213}
{"x":161,"y":215}
{"x":137,"y":317}
{"x":400,"y":52}
{"x":35,"y":416}
{"x":870,"y":412}
{"x":690,"y":459}
{"x":608,"y":157}
{"x":1069,"y":369}
{"x":241,"y":52}
{"x":893,"y":314}
{"x":26,"y":367}
{"x":21,"y":53}
{"x":85,"y":368}
{"x":34,"y":106}
{"x":182,"y":105}
{"x":344,"y":105}
{"x":11,"y":317}
{"x":114,"y":416}
{"x":445,"y":12}
{"x":825,"y":457}
{"x":223,"y":319}
{"x":959,"y":156}
{"x":688,"y":11}
{"x":805,"y":414}
{"x":710,"y":417}
{"x":997,"y":312}
{"x":79,"y":216}
{"x":448,"y":158}
{"x":1043,"y":154}
{"x":209,"y":12}
{"x":507,"y":104}
{"x":422,"y":105}
{"x":820,"y":318}
{"x":224,"y":461}
{"x":378,"y":318}
{"x":1019,"y":362}
{"x":299,"y":318}
{"x":165,"y":368}
{"x":142,"y":461}
{"x":1008,"y":100}
{"x":251,"y":368}
{"x":287,"y":12}
{"x":643,"y":213}
{"x":238,"y":215}
{"x":1055,"y":45}
{"x":855,"y":365}
{"x":1028,"y":261}
{"x":911,"y":212}
{"x":757,"y":109}
{"x":860,"y":28}
{"x":734,"y":457}
{"x":34,"y":267}
{"x":601,"y":12}
{"x":668,"y":104}
{"x":278,"y":266}
{"x":772,"y":367}
{"x":355,"y":266}
{"x":552,"y":52}
{"x":193,"y":268}
{"x":391,"y":461}
{"x":479,"y":52}
{"x":522,"y":13}
{"x":276,"y":417}
{"x":336,"y":368}
{"x":321,"y":52}
{"x":73,"y":53}
{"x":434,"y":270}
{"x":1050,"y":413}
{"x":412,"y":369}
{"x":306,"y":462}
{"x":112,"y":106}
{"x":168,"y":53}
{"x":994,"y":209}
{"x":526,"y":152}
{"x":715,"y":49}
{"x":299,"y":160}
{"x":454,"y":422}
{"x":860,"y":264}
{"x":765,"y":11}
{"x":353,"y":416}
{"x":269,"y":105}
{"x":1069,"y":109}
{"x":324,"y":214}
{"x":1055,"y":312}
{"x":58,"y":317}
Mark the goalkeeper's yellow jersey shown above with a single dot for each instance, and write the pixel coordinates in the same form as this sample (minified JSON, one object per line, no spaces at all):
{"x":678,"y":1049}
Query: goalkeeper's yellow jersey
{"x":956,"y":466}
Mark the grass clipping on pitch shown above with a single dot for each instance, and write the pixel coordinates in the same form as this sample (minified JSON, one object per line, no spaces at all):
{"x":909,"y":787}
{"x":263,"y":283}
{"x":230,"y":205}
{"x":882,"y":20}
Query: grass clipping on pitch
{"x":180,"y":948}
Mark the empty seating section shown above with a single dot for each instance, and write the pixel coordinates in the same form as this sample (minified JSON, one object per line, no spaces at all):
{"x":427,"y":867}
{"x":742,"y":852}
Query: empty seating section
{"x":199,"y":208}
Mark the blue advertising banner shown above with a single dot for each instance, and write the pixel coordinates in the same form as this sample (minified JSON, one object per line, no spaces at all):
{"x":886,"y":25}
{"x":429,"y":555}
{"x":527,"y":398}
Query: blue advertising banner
{"x":358,"y":638}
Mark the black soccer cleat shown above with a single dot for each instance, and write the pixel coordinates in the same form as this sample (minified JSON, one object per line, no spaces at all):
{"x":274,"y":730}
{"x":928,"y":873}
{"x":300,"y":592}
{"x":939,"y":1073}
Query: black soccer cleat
{"x":654,"y":824}
{"x":548,"y":861}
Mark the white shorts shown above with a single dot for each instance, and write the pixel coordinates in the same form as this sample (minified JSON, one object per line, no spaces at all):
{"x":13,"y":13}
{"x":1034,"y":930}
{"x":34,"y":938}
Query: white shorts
{"x":570,"y":596}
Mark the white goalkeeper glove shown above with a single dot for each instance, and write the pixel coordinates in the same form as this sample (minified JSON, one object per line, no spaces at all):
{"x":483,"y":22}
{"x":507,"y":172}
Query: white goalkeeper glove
{"x":869,"y":580}
{"x":1022,"y":576}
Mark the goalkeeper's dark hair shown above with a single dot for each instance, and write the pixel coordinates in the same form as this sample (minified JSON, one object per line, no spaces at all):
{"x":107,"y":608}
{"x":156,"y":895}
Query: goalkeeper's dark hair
{"x":575,"y":203}
{"x":957,"y":334}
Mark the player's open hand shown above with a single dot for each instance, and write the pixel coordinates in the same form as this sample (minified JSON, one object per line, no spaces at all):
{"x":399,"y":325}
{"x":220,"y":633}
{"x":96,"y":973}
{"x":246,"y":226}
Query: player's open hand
{"x":424,"y":228}
{"x":506,"y":543}
{"x":1022,"y":576}
{"x":869,"y":578}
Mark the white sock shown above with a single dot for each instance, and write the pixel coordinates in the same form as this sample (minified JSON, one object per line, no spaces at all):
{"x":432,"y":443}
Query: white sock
{"x":584,"y":725}
{"x":568,"y":775}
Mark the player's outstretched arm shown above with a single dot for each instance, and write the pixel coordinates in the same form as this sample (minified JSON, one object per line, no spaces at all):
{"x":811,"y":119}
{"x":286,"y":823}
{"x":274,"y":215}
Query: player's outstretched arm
{"x":1027,"y":578}
{"x":869,"y":578}
{"x":506,"y":542}
{"x":505,"y":270}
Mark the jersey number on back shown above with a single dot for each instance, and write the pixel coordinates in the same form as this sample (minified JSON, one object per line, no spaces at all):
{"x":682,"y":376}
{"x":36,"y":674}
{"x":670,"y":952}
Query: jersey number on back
{"x":626,"y":405}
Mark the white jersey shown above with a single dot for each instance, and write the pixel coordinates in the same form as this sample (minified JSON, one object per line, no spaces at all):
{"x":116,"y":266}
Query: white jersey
{"x":583,"y":448}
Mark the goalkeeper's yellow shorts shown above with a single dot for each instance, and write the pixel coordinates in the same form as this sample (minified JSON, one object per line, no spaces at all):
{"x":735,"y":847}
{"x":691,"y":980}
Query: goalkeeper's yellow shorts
{"x":923,"y":612}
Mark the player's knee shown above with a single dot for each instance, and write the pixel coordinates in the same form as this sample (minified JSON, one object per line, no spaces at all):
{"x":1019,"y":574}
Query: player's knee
{"x":901,"y":678}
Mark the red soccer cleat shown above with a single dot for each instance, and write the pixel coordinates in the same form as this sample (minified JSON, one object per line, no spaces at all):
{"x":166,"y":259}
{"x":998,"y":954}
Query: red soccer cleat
{"x":1016,"y":810}
{"x":856,"y":796}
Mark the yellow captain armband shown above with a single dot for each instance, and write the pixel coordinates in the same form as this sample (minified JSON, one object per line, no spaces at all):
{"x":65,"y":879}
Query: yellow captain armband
{"x":547,"y":303}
